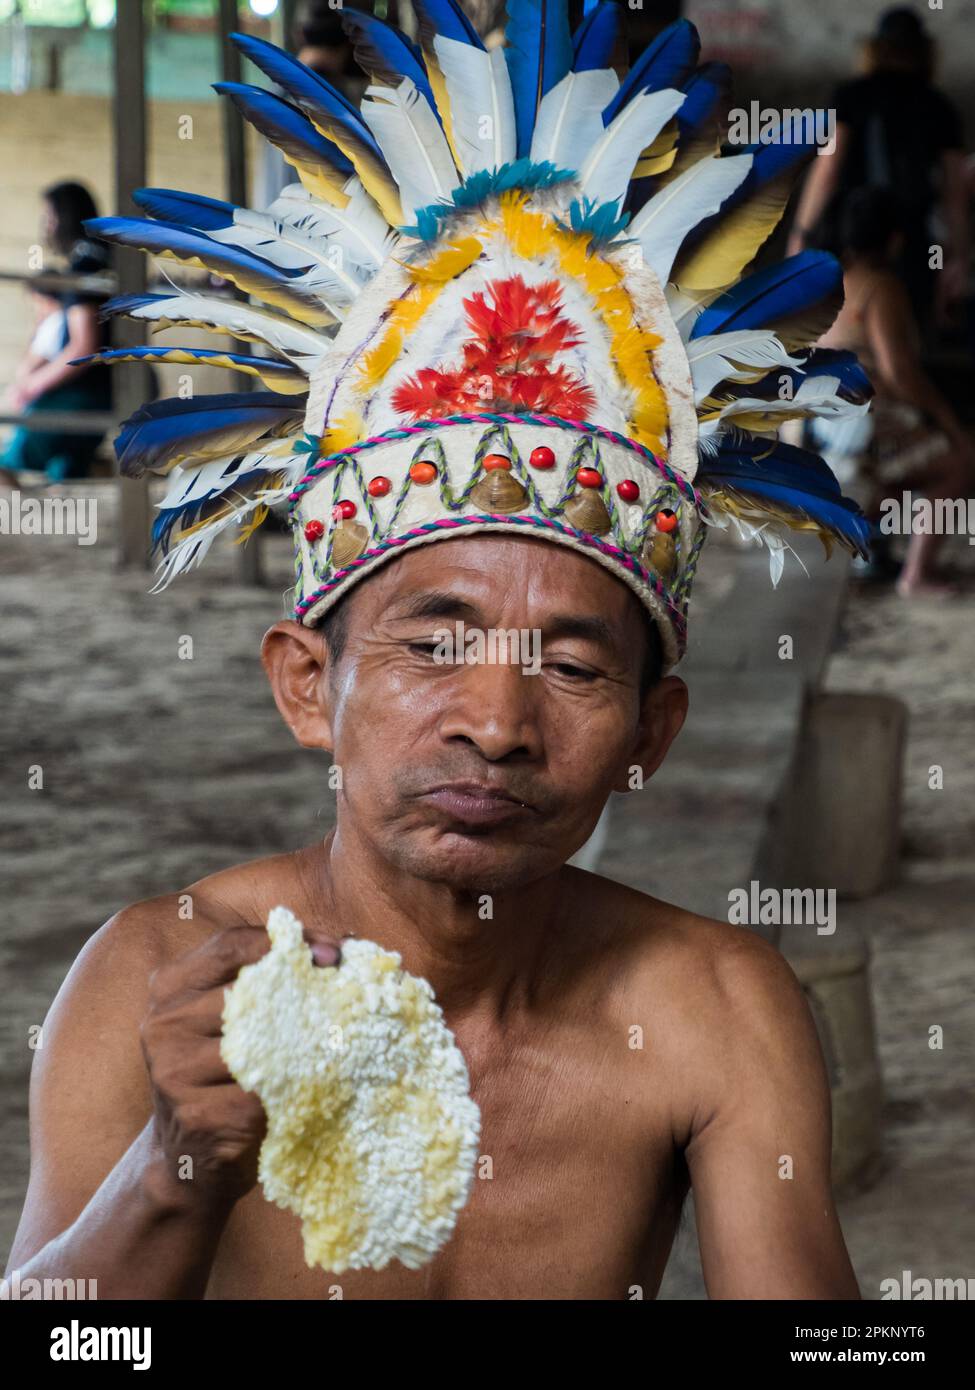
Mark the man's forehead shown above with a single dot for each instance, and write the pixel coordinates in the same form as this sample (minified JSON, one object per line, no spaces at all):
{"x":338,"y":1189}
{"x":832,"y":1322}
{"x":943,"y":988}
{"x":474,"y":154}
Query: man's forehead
{"x":503,"y":572}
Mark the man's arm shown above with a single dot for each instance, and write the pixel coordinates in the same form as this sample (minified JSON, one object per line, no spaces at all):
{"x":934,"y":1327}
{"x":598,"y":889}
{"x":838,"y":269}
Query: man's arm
{"x":759,"y":1155}
{"x":128,"y":1083}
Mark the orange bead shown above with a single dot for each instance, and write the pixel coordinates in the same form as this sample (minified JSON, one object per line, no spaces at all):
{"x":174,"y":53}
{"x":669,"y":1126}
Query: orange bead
{"x":495,"y":461}
{"x":666,"y":520}
{"x":423,"y":472}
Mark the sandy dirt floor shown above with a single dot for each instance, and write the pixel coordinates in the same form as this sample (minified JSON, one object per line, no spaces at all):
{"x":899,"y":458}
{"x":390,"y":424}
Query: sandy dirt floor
{"x":158,"y":769}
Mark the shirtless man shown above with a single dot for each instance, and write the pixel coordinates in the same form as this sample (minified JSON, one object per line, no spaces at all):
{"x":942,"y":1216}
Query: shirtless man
{"x":458,"y":781}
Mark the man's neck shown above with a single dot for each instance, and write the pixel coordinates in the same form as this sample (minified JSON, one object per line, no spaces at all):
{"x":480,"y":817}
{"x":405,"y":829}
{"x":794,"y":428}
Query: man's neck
{"x":482,"y":954}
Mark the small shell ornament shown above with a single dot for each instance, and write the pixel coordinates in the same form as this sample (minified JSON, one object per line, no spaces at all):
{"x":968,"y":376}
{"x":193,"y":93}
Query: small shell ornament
{"x":586,"y":511}
{"x":498,"y":491}
{"x":348,"y":542}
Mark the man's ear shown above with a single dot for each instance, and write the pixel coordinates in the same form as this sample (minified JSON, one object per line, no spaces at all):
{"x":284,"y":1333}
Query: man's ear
{"x":296,"y":660}
{"x":661,"y":720}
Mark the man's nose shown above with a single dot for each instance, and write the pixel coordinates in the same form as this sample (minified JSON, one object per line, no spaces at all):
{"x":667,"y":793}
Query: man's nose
{"x":496,"y":708}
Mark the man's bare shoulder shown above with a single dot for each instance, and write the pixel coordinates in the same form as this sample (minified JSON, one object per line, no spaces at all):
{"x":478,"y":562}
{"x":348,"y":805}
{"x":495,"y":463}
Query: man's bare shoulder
{"x":157,"y":930}
{"x":720,"y":1004}
{"x":695,"y":962}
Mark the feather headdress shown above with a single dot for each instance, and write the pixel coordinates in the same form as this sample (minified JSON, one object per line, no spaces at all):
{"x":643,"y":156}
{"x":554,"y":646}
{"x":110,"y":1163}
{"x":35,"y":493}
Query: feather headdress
{"x":512,"y":289}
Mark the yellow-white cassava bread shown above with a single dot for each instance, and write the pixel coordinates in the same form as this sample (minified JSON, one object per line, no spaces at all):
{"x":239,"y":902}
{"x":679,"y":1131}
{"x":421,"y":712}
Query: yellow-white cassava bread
{"x":372,"y":1133}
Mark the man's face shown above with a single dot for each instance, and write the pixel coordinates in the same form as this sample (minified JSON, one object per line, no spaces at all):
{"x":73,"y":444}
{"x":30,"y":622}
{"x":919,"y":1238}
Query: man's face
{"x":483,"y":776}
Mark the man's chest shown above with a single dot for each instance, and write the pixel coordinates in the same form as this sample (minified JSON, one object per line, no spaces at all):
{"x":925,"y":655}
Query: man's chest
{"x":574,"y":1195}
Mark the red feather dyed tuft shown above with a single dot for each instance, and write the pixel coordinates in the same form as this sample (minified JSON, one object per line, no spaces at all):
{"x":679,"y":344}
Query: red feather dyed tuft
{"x":507,"y":362}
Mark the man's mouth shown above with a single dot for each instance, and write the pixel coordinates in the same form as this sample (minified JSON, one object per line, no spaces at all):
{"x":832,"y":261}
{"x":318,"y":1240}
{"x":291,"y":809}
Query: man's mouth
{"x":476,"y":803}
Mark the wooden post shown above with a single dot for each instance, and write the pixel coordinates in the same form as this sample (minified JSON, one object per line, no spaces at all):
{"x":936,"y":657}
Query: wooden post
{"x":235,"y":167}
{"x":130,"y":383}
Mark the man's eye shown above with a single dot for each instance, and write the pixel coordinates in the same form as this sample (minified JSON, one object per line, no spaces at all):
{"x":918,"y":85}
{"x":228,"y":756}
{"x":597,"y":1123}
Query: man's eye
{"x":423,"y":648}
{"x":566,"y":668}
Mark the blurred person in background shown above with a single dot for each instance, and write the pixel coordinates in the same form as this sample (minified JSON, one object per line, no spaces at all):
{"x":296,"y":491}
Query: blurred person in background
{"x":318,"y":41}
{"x":66,"y":327}
{"x":895,"y":130}
{"x":911,"y":439}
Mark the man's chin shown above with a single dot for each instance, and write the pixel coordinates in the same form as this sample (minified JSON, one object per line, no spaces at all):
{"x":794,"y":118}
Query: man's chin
{"x":475,"y":861}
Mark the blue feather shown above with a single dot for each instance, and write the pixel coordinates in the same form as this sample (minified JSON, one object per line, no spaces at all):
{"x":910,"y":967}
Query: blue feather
{"x":706,"y":87}
{"x":666,"y":63}
{"x":762,"y":299}
{"x":284,"y":125}
{"x":160,"y":237}
{"x":312,"y":93}
{"x":126,"y":303}
{"x":189,"y":512}
{"x":446,"y":18}
{"x":594,"y":42}
{"x":149,"y":438}
{"x":159,"y":354}
{"x":386,"y":54}
{"x":521,"y":173}
{"x":601,"y":221}
{"x":790,"y":477}
{"x":185,"y":209}
{"x":538,"y":56}
{"x":855,"y":385}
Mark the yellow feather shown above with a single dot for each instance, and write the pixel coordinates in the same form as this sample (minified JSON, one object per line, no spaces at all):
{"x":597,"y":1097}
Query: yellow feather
{"x":260,"y":515}
{"x":660,"y":155}
{"x":439,"y":88}
{"x":375,"y":177}
{"x":342,"y":434}
{"x":403,"y":316}
{"x":322,"y":181}
{"x":720,"y":259}
{"x":449,"y":263}
{"x":749,"y":509}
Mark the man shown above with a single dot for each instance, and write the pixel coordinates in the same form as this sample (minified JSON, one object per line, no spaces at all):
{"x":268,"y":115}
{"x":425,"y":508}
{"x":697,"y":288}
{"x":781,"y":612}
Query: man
{"x":458,"y":781}
{"x":502,"y":434}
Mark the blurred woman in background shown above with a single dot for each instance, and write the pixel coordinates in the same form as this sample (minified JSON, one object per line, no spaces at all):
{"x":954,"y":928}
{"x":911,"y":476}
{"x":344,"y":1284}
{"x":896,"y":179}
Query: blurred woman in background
{"x":911,"y":439}
{"x":45,"y":380}
{"x":896,"y":130}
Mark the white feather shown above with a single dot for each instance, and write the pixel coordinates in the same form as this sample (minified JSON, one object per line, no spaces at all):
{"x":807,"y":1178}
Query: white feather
{"x":662,"y":224}
{"x":217,"y":477}
{"x":188,"y":553}
{"x":744,"y":355}
{"x":359,"y":228}
{"x":686,"y":307}
{"x":570,"y":117}
{"x":284,"y":335}
{"x":815,"y":396}
{"x":413,"y":144}
{"x":482,"y":110}
{"x":278,"y":242}
{"x":608,"y":167}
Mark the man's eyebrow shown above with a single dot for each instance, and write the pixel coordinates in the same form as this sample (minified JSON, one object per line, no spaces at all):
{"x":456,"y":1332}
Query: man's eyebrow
{"x":434,"y":603}
{"x":590,"y":629}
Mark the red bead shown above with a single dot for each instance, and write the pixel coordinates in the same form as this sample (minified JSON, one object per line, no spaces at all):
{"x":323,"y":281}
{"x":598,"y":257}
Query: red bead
{"x":666,"y":520}
{"x":343,"y":511}
{"x":589,"y":477}
{"x":496,"y":461}
{"x":628,"y":490}
{"x":423,"y":472}
{"x":542,"y":457}
{"x":314,"y":530}
{"x":379,"y":487}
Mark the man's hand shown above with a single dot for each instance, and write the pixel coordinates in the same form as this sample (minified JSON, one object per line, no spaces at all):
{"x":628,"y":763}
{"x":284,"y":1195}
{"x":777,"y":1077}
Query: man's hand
{"x":203,"y":1120}
{"x":112,"y":1121}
